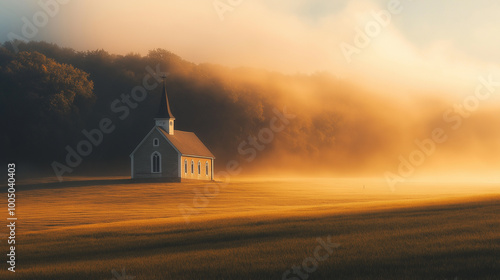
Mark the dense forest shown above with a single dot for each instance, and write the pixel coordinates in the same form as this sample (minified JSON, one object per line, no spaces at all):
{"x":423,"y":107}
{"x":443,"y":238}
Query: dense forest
{"x":50,"y":94}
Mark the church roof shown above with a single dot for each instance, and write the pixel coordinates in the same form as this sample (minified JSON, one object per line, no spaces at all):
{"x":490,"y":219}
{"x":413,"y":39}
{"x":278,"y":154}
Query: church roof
{"x":164,"y":109}
{"x":187,"y":143}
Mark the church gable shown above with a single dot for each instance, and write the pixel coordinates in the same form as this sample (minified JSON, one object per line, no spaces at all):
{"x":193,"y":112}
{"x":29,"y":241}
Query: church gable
{"x":155,"y":157}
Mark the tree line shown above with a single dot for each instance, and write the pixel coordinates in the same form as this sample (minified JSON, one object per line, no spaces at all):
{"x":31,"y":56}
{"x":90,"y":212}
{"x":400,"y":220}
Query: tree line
{"x":49,"y":94}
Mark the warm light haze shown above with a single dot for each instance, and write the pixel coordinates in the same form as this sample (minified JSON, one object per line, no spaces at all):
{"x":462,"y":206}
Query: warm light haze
{"x":250,"y":139}
{"x":428,"y":58}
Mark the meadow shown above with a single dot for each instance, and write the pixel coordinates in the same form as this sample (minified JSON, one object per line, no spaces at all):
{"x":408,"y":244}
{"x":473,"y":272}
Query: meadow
{"x":257,"y":229}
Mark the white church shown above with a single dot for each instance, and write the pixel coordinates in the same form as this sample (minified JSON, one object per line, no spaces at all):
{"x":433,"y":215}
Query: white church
{"x":171,"y":154}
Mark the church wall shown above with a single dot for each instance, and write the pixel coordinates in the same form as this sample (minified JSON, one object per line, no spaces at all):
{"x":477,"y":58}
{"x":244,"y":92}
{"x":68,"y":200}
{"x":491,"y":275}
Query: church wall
{"x":194,"y":175}
{"x":142,"y":158}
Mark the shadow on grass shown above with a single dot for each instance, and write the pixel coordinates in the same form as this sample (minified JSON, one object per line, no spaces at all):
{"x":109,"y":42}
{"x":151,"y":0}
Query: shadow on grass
{"x":87,"y":183}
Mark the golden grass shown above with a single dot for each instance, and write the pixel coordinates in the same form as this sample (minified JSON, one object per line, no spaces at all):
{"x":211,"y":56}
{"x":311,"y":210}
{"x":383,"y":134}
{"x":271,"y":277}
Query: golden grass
{"x":258,"y":230}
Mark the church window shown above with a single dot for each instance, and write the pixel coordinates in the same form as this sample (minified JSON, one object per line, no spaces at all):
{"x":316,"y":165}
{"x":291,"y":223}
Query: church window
{"x":156,"y":142}
{"x":199,"y":168}
{"x":192,"y":167}
{"x":156,"y":162}
{"x":206,"y":168}
{"x":186,"y":166}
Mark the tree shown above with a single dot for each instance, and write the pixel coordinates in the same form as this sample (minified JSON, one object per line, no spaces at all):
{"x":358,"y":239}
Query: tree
{"x":45,"y":102}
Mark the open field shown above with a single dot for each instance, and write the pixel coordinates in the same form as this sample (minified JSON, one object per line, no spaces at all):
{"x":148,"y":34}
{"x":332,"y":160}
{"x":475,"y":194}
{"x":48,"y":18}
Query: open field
{"x":258,"y":230}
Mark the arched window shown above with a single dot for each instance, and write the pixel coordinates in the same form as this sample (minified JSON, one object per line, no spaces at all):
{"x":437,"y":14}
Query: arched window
{"x":156,"y":163}
{"x":206,"y":168}
{"x":156,"y":142}
{"x":186,"y":166}
{"x":192,"y":167}
{"x":199,"y":168}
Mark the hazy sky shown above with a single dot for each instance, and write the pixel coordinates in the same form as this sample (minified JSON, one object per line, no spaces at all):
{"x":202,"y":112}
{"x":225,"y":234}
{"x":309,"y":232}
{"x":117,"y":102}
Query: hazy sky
{"x":428,"y":43}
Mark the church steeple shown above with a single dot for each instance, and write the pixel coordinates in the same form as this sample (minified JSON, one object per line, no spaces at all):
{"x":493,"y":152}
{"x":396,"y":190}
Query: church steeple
{"x":164,"y":117}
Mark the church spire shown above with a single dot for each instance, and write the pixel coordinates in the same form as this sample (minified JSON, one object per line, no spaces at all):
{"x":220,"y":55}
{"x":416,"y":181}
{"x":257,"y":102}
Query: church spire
{"x":164,"y":109}
{"x":164,"y":117}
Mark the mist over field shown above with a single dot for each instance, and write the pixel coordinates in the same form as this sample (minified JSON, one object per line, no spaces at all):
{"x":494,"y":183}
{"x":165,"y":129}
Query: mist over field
{"x":353,"y":139}
{"x":335,"y":126}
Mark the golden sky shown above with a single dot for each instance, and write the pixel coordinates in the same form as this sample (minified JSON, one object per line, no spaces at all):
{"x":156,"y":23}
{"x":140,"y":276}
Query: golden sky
{"x":452,"y":39}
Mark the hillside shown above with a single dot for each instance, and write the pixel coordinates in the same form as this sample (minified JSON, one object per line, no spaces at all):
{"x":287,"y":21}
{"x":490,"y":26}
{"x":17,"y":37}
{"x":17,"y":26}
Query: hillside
{"x":50,"y":95}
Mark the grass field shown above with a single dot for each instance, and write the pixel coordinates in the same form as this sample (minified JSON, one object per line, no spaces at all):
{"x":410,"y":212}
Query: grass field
{"x":257,"y":229}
